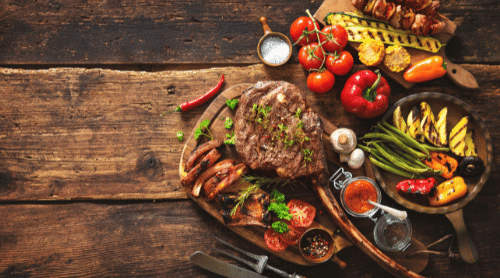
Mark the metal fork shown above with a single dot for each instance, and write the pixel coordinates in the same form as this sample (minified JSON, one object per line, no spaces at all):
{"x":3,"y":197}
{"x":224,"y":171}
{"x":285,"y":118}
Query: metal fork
{"x":261,"y":263}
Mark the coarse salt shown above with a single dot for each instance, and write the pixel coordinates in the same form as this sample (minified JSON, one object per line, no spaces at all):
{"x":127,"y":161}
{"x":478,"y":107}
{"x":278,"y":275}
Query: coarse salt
{"x":274,"y":50}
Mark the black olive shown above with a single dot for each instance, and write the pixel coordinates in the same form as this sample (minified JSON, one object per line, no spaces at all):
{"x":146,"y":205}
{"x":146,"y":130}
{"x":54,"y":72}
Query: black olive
{"x":471,"y":166}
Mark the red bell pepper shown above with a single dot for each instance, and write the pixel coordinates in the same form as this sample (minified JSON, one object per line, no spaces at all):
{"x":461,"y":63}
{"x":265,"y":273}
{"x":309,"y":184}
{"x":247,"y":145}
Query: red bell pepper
{"x":417,"y":186}
{"x":366,"y":94}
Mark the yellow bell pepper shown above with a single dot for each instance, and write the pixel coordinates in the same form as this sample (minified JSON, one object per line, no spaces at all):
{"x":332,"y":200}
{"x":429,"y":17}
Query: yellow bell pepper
{"x":448,"y":191}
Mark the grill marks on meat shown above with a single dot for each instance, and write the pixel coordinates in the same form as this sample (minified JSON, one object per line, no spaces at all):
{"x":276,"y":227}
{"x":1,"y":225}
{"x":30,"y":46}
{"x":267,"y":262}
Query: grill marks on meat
{"x":262,"y":145}
{"x":254,"y":210}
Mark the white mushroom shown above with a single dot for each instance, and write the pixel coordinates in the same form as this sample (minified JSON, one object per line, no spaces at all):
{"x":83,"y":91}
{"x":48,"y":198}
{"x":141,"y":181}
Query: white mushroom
{"x":343,"y":140}
{"x":356,"y":159}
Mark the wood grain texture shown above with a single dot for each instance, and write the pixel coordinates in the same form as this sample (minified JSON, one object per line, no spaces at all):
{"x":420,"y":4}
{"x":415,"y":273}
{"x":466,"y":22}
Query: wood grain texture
{"x":155,"y":239}
{"x":48,"y":32}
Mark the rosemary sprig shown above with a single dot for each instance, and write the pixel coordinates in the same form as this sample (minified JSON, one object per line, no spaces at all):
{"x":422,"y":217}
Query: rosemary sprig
{"x":256,"y":183}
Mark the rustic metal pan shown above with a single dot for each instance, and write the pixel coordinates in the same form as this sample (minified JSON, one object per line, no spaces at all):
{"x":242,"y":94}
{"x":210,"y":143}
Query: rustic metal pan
{"x":453,"y":211}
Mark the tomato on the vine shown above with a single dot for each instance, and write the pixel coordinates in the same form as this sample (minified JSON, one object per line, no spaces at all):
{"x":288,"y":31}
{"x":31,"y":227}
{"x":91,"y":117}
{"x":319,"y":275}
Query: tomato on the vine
{"x":311,"y":56}
{"x":273,"y":241}
{"x":293,"y":235}
{"x":320,"y":82}
{"x":340,"y":64}
{"x":299,"y":26}
{"x":302,"y":212}
{"x":334,"y":38}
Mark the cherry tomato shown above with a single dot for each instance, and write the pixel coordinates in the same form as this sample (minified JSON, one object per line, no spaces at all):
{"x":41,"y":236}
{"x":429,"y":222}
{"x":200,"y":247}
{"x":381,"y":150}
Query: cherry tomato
{"x":340,"y":64}
{"x":293,"y":235}
{"x":335,"y":37}
{"x":273,"y":241}
{"x":320,"y":82}
{"x":299,"y":26}
{"x":311,"y":56}
{"x":302,"y":212}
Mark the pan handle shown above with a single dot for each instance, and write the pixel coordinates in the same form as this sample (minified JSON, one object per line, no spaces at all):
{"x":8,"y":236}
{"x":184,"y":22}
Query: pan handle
{"x":467,"y":248}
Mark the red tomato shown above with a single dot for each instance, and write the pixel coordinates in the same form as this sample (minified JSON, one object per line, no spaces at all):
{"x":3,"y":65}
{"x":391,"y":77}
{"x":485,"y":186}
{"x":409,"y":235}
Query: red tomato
{"x":320,"y":82}
{"x":273,"y":241}
{"x":302,"y":213}
{"x":311,"y":56}
{"x":299,"y":26}
{"x":340,"y":64}
{"x":293,"y":235}
{"x":335,"y":37}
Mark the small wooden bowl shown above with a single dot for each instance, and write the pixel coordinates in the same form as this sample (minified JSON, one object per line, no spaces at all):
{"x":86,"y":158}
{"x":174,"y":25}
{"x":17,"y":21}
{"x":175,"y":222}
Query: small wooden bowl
{"x":268,"y":33}
{"x":326,"y":235}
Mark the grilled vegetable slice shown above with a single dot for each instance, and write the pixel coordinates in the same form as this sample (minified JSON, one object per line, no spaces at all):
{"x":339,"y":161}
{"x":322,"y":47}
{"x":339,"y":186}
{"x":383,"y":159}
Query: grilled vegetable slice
{"x":398,"y":120}
{"x":441,"y":127}
{"x":443,"y":162}
{"x":457,"y":137}
{"x":427,"y":125}
{"x":413,"y":125}
{"x":470,"y":147}
{"x":360,"y":28}
{"x":448,"y":191}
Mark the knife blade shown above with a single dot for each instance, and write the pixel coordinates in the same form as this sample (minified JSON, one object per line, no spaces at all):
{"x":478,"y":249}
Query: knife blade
{"x":220,"y":267}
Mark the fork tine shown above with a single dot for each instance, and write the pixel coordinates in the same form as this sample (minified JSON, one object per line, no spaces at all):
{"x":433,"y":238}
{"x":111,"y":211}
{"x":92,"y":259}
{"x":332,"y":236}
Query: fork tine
{"x":250,"y":264}
{"x":254,"y":256}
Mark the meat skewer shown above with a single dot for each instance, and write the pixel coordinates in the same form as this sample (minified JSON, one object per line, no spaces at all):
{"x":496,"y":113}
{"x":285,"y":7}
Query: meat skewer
{"x":419,"y":16}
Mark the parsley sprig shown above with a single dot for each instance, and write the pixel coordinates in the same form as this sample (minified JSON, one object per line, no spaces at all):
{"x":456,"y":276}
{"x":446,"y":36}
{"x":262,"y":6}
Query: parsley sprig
{"x":199,"y":131}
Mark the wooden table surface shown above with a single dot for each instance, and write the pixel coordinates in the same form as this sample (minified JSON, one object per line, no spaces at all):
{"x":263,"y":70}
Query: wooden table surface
{"x":89,"y":170}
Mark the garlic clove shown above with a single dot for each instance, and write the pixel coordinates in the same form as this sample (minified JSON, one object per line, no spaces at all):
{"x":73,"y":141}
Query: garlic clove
{"x":356,"y":159}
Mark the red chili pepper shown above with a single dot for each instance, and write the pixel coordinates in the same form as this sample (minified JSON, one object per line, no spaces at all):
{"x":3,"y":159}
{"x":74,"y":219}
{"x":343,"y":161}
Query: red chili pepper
{"x":417,"y":186}
{"x":366,"y":94}
{"x":186,"y":106}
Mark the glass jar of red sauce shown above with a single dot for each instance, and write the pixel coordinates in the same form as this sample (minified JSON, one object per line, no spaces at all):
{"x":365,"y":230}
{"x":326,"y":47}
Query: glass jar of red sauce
{"x":355,"y":195}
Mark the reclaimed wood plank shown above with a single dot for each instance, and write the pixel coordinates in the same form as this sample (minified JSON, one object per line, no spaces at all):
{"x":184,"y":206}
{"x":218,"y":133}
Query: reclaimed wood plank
{"x":96,"y":134}
{"x":155,"y":239}
{"x":73,"y":32}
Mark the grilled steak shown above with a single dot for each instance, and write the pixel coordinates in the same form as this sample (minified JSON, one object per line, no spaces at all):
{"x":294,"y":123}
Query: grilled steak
{"x":276,"y":129}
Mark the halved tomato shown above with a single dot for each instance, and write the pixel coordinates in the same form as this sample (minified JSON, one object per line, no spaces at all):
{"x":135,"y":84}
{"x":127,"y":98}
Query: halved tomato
{"x":293,"y":235}
{"x":302,"y":213}
{"x":273,"y":241}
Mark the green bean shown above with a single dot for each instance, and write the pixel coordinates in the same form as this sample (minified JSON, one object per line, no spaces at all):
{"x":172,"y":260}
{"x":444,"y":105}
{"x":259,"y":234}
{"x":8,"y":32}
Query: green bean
{"x":435,"y":149}
{"x":409,"y":157}
{"x":395,"y":141}
{"x":398,"y":163}
{"x":404,"y":137}
{"x":391,"y":169}
{"x":406,"y":160}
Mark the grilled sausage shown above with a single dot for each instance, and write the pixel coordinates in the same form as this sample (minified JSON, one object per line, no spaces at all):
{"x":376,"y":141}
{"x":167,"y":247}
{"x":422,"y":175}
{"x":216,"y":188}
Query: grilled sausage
{"x":208,"y":173}
{"x":235,"y":172}
{"x":199,"y":151}
{"x":207,"y":161}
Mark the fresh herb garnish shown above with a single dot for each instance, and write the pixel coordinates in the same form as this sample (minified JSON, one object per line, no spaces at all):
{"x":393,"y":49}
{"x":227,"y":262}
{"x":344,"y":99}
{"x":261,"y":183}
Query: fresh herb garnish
{"x":298,"y":112}
{"x":232,"y":103}
{"x":199,"y":131}
{"x":243,"y":196}
{"x":228,"y":123}
{"x":280,"y":227}
{"x":307,"y":155}
{"x":231,"y":139}
{"x":180,"y":135}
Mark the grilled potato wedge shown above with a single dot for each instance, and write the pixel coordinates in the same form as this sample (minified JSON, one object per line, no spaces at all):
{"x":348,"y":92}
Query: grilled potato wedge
{"x":425,"y":109}
{"x":457,"y":137}
{"x":470,"y":148}
{"x":398,"y":120}
{"x":441,"y":127}
{"x":413,"y":124}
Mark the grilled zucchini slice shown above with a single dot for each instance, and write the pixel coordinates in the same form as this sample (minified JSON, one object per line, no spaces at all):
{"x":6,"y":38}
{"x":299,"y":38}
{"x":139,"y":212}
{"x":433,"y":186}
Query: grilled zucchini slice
{"x":457,"y":137}
{"x":441,"y":127}
{"x":361,"y":28}
{"x":398,"y":121}
{"x":413,"y":125}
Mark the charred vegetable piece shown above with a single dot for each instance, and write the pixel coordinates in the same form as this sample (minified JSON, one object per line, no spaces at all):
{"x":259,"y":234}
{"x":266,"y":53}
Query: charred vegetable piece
{"x":398,"y":119}
{"x":443,"y":162}
{"x":470,"y":148}
{"x":441,"y":127}
{"x":417,"y":186}
{"x":457,"y":137}
{"x":413,"y":124}
{"x":428,"y":124}
{"x":448,"y":191}
{"x":471,"y":166}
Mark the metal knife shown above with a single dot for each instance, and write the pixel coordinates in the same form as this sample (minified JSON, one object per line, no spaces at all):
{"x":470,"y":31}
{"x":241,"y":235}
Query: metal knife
{"x":222,"y":268}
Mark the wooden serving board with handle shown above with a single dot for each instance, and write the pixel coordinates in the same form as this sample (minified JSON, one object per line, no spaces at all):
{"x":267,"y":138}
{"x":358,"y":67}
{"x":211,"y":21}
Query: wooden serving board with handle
{"x":457,"y":74}
{"x":216,"y":113}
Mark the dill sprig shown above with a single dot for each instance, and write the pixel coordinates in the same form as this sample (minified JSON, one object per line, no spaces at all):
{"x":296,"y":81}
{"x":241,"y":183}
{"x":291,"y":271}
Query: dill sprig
{"x":256,"y":183}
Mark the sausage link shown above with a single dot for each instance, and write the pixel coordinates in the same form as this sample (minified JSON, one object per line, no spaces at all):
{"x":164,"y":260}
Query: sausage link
{"x":199,"y":151}
{"x":208,"y":173}
{"x":207,"y":161}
